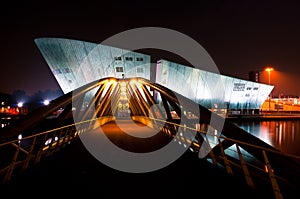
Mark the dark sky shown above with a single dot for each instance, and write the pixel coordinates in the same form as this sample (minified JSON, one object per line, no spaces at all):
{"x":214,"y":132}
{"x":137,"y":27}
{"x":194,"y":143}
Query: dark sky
{"x":240,"y":36}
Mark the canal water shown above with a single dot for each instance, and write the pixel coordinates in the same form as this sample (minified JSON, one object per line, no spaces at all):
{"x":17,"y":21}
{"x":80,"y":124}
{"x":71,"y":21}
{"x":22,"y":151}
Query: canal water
{"x":282,"y":134}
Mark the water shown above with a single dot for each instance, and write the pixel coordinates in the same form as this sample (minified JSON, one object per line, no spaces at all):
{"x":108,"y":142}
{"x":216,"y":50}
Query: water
{"x":283,"y":135}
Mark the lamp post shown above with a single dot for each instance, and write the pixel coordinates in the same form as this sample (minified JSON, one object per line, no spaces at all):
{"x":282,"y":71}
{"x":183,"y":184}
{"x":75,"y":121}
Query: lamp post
{"x":20,"y":105}
{"x":269,"y":69}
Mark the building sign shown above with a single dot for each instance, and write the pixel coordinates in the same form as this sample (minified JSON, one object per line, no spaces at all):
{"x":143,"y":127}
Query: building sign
{"x":239,"y":87}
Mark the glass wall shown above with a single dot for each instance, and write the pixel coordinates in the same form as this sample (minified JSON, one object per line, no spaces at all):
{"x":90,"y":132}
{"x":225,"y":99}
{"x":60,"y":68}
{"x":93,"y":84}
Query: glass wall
{"x":213,"y":91}
{"x":75,"y":63}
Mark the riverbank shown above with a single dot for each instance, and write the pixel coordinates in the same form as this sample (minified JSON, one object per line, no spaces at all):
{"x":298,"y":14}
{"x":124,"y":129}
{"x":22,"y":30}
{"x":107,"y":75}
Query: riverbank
{"x":265,"y":116}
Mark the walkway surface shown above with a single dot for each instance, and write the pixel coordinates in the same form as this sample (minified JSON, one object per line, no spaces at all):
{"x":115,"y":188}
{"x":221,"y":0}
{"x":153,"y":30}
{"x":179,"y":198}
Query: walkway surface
{"x":74,"y":172}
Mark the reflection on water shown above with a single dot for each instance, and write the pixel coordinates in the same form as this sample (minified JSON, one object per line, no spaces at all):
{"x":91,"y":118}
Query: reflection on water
{"x":283,"y":135}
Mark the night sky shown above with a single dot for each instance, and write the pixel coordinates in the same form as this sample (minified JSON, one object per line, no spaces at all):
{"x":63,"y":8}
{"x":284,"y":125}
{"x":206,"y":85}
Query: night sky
{"x":240,"y":36}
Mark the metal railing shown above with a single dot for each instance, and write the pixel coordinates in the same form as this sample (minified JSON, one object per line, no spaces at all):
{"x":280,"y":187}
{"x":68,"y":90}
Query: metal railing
{"x":17,"y":155}
{"x":234,"y":159}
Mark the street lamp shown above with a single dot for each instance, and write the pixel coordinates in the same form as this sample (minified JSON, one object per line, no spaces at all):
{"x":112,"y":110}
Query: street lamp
{"x":269,"y":69}
{"x":46,"y":102}
{"x":20,"y":105}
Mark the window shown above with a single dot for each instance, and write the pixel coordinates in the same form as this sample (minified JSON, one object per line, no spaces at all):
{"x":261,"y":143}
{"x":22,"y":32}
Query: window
{"x":239,"y":87}
{"x":67,"y":70}
{"x":57,"y":71}
{"x":248,"y":88}
{"x":128,"y":58}
{"x":255,"y":88}
{"x":139,"y":59}
{"x":119,"y":69}
{"x":139,"y":70}
{"x":117,"y":58}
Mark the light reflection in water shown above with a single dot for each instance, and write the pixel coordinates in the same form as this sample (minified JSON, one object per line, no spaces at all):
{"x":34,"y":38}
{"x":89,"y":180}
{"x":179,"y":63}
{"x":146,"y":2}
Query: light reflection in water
{"x":283,"y":135}
{"x":280,"y":133}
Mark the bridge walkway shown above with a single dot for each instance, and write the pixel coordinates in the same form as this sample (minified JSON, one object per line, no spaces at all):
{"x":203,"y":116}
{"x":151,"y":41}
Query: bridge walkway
{"x":75,"y":172}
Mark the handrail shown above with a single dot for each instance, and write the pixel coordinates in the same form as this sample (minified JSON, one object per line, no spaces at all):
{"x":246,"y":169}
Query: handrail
{"x":247,"y":168}
{"x":26,"y":151}
{"x":22,"y":152}
{"x":229,"y":139}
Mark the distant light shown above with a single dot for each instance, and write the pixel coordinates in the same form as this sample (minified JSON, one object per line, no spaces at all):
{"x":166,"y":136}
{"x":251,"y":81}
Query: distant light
{"x":19,"y":138}
{"x":48,"y":141}
{"x":269,"y":69}
{"x":46,"y":102}
{"x":20,"y":104}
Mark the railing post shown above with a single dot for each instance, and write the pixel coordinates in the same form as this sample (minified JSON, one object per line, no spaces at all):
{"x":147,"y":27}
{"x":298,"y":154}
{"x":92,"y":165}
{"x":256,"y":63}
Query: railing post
{"x":11,"y":167}
{"x":40,"y":151}
{"x":65,"y":139}
{"x":59,"y":141}
{"x":226,"y":162}
{"x":206,"y":146}
{"x":272,"y":177}
{"x":50,"y":147}
{"x":29,"y":155}
{"x":69,"y":134}
{"x":245,"y":169}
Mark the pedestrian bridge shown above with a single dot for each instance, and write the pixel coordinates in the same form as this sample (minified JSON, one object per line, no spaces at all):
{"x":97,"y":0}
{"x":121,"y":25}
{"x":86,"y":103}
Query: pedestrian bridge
{"x":140,"y":126}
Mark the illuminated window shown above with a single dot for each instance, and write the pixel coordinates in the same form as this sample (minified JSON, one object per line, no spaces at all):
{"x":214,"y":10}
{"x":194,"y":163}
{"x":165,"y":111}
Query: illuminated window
{"x":239,"y":87}
{"x":119,"y":69}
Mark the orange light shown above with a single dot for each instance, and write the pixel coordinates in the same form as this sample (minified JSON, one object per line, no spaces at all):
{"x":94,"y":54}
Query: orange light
{"x":266,"y":169}
{"x":269,"y":69}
